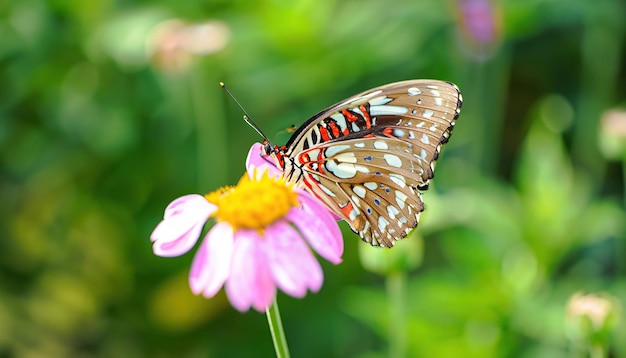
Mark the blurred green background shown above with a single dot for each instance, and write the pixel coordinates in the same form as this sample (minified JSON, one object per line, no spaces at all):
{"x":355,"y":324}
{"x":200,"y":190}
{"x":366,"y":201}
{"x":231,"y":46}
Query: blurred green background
{"x":111,"y":109}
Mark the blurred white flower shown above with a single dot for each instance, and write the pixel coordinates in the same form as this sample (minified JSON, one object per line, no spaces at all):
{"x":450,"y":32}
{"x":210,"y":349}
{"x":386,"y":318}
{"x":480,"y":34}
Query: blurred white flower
{"x":592,"y":306}
{"x":174,"y":43}
{"x":613,"y":134}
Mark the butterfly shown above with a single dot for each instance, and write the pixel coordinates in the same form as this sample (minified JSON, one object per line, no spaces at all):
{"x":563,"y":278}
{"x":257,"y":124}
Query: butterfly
{"x":368,"y":157}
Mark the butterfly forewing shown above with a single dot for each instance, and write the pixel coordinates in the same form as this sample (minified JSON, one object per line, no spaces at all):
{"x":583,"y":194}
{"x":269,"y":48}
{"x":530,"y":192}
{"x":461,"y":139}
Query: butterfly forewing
{"x":366,"y":157}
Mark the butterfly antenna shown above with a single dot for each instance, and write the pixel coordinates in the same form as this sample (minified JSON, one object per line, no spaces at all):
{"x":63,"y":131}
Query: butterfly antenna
{"x":246,"y":116}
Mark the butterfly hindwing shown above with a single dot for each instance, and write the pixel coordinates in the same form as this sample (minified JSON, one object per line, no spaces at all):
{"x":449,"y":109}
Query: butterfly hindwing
{"x":372,"y":189}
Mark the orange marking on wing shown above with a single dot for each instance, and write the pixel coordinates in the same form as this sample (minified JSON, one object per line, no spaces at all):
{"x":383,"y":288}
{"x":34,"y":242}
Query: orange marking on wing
{"x":308,"y":185}
{"x":350,"y":117}
{"x":358,"y":223}
{"x":304,"y":157}
{"x":324,"y":133}
{"x":346,"y":210}
{"x":320,"y":161}
{"x":334,"y":128}
{"x":366,"y":114}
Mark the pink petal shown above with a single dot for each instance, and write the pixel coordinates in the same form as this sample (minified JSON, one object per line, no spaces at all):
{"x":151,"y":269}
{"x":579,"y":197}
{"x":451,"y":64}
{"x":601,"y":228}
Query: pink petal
{"x":211,"y":265}
{"x":318,"y":226}
{"x":181,"y":226}
{"x":250,"y":282}
{"x":189,"y":203}
{"x":293,"y":265}
{"x":262,"y":163}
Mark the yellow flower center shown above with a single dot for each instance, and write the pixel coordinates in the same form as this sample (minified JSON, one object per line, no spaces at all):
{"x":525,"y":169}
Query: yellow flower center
{"x":253,"y":203}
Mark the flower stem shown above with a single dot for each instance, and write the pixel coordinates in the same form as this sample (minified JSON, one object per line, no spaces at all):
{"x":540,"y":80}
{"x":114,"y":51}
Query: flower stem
{"x":276,"y":328}
{"x":624,"y":178}
{"x":396,"y":291}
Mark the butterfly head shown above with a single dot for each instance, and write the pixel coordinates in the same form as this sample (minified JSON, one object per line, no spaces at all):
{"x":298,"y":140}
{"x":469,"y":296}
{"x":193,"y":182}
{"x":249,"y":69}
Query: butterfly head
{"x":276,"y":153}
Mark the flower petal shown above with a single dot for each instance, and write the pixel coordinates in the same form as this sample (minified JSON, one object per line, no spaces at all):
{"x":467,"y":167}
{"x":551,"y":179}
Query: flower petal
{"x":181,"y":226}
{"x":292,"y":263}
{"x":257,"y":160}
{"x":211,"y":265}
{"x":187,"y":204}
{"x":318,"y":226}
{"x":250,"y":282}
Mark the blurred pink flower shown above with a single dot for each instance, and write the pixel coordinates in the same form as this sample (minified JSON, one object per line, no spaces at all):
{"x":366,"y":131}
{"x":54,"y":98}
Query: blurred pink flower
{"x":259,"y":242}
{"x":479,"y":22}
{"x":478,"y":19}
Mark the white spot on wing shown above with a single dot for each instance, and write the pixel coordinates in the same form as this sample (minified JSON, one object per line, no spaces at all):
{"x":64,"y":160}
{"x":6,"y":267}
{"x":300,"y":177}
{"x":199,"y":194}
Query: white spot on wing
{"x":438,"y":101}
{"x":355,"y":200}
{"x":393,"y":160}
{"x":435,"y":93}
{"x":370,"y":185}
{"x":382,"y":223}
{"x":398,"y":179}
{"x":379,"y":144}
{"x":332,"y":150}
{"x":387,"y":110}
{"x":359,"y":145}
{"x":379,"y":101}
{"x":425,"y":139}
{"x":345,"y":170}
{"x":360,"y":191}
{"x":400,"y":199}
{"x":345,"y":157}
{"x":428,"y":113}
{"x":414,"y":91}
{"x":392,"y":211}
{"x":341,"y":170}
{"x":362,"y":168}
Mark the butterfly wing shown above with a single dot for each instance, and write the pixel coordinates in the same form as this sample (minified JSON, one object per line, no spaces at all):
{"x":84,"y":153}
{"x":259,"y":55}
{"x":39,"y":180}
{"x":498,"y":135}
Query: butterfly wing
{"x":367,"y":157}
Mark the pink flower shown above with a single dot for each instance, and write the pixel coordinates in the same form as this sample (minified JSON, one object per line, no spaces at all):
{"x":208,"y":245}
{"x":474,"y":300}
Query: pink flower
{"x":478,"y":20}
{"x":259,"y":242}
{"x":480,"y":25}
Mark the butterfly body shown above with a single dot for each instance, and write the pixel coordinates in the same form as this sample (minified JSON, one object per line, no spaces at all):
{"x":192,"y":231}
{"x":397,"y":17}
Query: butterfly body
{"x":368,"y":157}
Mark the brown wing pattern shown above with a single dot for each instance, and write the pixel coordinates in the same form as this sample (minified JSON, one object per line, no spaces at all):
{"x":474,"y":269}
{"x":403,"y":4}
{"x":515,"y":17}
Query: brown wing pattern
{"x":367,"y":157}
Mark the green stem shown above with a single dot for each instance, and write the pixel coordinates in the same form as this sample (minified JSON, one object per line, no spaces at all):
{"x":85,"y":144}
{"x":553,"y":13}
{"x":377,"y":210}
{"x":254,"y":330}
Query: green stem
{"x":396,"y":293}
{"x":276,"y":328}
{"x":624,"y":179}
